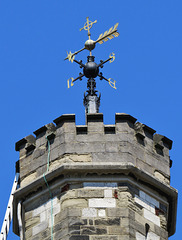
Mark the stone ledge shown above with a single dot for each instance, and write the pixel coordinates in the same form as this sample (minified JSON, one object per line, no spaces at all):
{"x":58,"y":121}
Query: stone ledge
{"x":126,"y":171}
{"x":25,"y":142}
{"x":64,"y":118}
{"x":40,"y":130}
{"x":94,"y":117}
{"x":122,"y":117}
{"x":161,"y":141}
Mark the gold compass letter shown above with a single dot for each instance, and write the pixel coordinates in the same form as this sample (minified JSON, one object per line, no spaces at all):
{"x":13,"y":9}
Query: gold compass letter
{"x":112,"y":56}
{"x":70,"y":84}
{"x":112,"y":83}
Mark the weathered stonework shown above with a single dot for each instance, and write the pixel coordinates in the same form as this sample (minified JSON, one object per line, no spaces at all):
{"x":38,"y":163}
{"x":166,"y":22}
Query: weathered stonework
{"x":104,"y":182}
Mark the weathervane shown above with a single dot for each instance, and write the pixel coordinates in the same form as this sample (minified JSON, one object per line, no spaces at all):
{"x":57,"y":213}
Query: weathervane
{"x":91,"y":69}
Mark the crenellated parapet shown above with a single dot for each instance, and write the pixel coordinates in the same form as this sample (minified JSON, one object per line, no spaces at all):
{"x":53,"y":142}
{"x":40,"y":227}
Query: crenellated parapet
{"x":126,"y":141}
{"x":95,"y":181}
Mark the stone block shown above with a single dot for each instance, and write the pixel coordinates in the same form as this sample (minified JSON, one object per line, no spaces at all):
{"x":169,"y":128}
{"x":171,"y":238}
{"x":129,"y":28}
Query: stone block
{"x":95,"y":122}
{"x":152,"y":236}
{"x":91,"y":230}
{"x":124,"y":198}
{"x":149,"y":143}
{"x":108,"y":222}
{"x":79,"y":237}
{"x":124,"y":122}
{"x":91,"y":137}
{"x":32,"y":222}
{"x":71,"y":194}
{"x":125,"y":147}
{"x":140,"y":227}
{"x":43,"y":216}
{"x":38,"y":162}
{"x":74,"y":202}
{"x":24,"y":165}
{"x":90,"y":193}
{"x":156,"y":163}
{"x":75,"y":221}
{"x":161,"y":232}
{"x":100,"y":184}
{"x":41,"y":170}
{"x":108,"y":193}
{"x":112,"y":138}
{"x":39,"y":228}
{"x":27,"y":180}
{"x":57,"y":141}
{"x":111,"y":147}
{"x":145,"y":204}
{"x":126,"y":237}
{"x":142,"y":220}
{"x":104,"y":238}
{"x":39,"y":152}
{"x":58,"y":151}
{"x":61,"y":234}
{"x":28,"y":233}
{"x":74,"y":212}
{"x":24,"y":161}
{"x":151,"y":217}
{"x":117,"y":212}
{"x":61,"y":160}
{"x":90,"y":222}
{"x":117,"y":230}
{"x":124,"y":128}
{"x":140,"y":236}
{"x":114,"y":157}
{"x":144,"y":166}
{"x":80,"y":157}
{"x":46,"y":234}
{"x":56,"y":209}
{"x":102,"y":213}
{"x":60,"y":225}
{"x":37,"y":237}
{"x":44,"y":207}
{"x":82,"y":148}
{"x":28,"y":215}
{"x":95,"y":147}
{"x":89,"y":212}
{"x":74,"y":230}
{"x":69,"y":127}
{"x":95,"y":127}
{"x":102,"y":203}
{"x":64,"y":238}
{"x":139,"y":152}
{"x":61,"y":216}
{"x":69,"y":137}
{"x":41,"y":139}
{"x":125,"y":137}
{"x":161,"y":177}
{"x":131,"y":214}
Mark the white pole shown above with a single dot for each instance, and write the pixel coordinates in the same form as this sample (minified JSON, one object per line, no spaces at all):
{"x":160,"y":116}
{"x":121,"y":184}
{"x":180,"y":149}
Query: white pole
{"x":9,"y":211}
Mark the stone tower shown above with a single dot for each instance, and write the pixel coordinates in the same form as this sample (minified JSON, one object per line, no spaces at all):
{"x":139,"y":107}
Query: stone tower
{"x":94,"y":182}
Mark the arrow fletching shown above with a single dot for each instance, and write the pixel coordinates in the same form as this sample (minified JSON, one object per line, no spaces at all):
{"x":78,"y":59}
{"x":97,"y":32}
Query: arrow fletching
{"x":71,"y":56}
{"x":110,"y":34}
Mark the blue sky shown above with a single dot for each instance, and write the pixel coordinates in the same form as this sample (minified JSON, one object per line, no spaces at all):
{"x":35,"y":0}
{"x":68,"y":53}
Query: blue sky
{"x":34,"y":38}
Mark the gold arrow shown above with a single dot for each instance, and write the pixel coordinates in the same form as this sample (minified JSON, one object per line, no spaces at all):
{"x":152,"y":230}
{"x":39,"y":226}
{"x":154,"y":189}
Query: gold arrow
{"x":111,"y":33}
